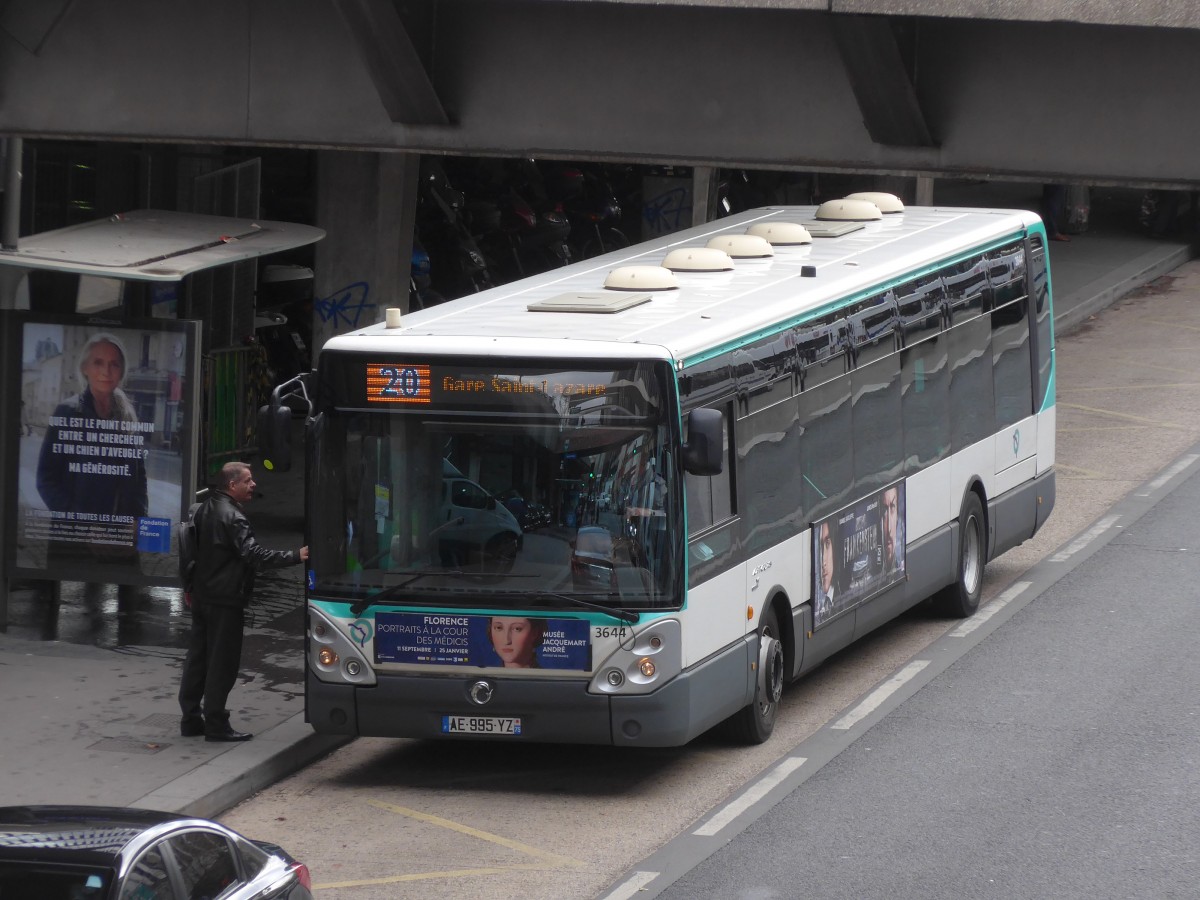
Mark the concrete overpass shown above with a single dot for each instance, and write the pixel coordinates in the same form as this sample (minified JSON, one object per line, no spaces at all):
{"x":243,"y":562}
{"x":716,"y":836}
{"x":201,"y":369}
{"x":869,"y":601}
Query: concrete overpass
{"x":1098,"y":90}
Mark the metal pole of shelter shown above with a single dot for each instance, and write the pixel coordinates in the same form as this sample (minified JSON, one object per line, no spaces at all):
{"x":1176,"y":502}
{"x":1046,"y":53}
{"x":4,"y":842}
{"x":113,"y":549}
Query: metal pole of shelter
{"x":10,"y":228}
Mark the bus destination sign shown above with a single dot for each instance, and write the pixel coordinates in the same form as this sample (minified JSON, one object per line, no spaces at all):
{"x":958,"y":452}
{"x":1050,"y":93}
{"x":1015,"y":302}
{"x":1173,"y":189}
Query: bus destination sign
{"x":412,"y":383}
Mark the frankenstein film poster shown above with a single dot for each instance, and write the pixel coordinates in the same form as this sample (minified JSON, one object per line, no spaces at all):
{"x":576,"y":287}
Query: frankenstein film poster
{"x":858,"y":552}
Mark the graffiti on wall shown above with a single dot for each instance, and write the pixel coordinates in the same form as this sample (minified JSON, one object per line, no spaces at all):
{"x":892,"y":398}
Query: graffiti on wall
{"x":345,"y":307}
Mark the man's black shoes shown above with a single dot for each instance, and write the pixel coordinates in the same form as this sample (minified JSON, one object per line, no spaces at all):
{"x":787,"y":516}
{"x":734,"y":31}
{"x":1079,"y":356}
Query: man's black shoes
{"x":227,"y":736}
{"x":191,"y":727}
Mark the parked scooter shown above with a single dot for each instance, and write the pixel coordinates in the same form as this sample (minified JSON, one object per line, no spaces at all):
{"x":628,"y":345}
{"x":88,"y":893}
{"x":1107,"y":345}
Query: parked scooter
{"x":457,"y":265}
{"x":592,"y":207}
{"x":520,"y":228}
{"x":421,"y":294}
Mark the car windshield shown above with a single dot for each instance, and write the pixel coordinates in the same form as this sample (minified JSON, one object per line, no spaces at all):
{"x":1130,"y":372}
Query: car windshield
{"x":567,"y":491}
{"x":43,"y":881}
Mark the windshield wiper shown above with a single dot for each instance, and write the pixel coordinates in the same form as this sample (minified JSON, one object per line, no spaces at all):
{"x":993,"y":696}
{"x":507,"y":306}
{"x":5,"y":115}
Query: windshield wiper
{"x":625,"y":615}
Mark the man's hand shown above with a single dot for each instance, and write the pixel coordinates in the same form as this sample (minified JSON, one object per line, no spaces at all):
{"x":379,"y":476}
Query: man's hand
{"x":304,"y":554}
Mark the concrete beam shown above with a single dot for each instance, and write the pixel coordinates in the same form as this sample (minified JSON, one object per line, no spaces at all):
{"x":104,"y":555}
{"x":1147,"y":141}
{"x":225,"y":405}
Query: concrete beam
{"x":30,"y":22}
{"x":880,"y":81}
{"x":392,"y":61}
{"x":1144,"y":13}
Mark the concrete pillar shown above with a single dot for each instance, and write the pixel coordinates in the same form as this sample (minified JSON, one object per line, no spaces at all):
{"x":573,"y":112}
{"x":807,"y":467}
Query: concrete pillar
{"x":703,"y":194}
{"x":924,"y":190}
{"x":366,"y":202}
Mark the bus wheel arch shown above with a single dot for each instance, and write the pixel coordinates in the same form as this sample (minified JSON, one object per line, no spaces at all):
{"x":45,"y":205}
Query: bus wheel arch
{"x":960,"y":598}
{"x":755,"y":722}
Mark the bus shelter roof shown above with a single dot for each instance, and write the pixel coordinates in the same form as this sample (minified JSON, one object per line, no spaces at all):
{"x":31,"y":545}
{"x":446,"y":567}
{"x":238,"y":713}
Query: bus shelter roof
{"x":155,"y":244}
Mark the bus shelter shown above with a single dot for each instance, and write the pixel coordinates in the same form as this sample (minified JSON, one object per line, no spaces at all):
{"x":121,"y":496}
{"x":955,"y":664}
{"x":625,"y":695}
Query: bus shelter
{"x":102,"y":439}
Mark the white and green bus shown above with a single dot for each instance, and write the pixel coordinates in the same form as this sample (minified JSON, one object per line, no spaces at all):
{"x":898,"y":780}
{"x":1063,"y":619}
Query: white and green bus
{"x":628,"y":500}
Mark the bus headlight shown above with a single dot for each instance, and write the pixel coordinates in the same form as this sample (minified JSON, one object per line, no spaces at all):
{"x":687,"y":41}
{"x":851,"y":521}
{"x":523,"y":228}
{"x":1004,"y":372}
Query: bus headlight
{"x":332,"y":656}
{"x":643,"y":664}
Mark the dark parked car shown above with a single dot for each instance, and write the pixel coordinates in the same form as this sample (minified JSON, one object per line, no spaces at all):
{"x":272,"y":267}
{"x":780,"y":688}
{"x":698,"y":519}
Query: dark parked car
{"x":109,"y":853}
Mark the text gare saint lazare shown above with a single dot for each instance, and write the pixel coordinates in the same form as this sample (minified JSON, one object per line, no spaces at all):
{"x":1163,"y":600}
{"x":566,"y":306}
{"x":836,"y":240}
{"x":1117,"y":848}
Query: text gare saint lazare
{"x":498,"y":385}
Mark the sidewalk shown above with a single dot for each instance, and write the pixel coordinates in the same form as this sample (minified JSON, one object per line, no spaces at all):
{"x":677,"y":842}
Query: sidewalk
{"x":87,"y":691}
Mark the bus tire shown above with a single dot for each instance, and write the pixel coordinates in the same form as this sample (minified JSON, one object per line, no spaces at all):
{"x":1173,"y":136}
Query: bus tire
{"x":961,"y":598}
{"x":754,"y":723}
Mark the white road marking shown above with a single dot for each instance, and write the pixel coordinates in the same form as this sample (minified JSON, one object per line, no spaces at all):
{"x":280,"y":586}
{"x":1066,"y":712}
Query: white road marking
{"x":631,"y":887}
{"x":876,"y":698}
{"x":991,"y":609}
{"x":1081,"y":542}
{"x":1168,"y":475}
{"x":760,"y":789}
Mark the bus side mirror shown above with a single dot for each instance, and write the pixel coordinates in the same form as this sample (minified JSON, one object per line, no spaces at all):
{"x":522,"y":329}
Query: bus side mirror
{"x":275,"y":437}
{"x":704,"y":452}
{"x":275,"y":423}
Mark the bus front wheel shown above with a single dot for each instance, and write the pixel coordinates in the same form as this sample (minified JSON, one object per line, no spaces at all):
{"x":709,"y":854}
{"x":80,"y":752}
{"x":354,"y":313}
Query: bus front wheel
{"x":961,"y":598}
{"x":755,"y":723}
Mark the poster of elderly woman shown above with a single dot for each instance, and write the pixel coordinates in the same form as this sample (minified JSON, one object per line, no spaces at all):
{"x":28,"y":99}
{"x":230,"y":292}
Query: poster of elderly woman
{"x":102,"y":471}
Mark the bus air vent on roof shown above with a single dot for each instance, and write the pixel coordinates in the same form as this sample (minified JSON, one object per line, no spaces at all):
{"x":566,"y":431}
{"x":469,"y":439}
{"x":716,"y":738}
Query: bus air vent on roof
{"x":595,"y":302}
{"x":831,"y":229}
{"x":742,"y":246}
{"x":641,"y":278}
{"x":887,"y":203}
{"x":781,"y":234}
{"x":697,"y":259}
{"x":848,"y":211}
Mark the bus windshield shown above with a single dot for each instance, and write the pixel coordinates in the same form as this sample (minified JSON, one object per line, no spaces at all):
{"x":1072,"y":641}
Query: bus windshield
{"x":566,"y":495}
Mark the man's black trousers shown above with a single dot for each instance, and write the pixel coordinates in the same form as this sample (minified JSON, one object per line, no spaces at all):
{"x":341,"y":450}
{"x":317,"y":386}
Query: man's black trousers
{"x":210,"y":668}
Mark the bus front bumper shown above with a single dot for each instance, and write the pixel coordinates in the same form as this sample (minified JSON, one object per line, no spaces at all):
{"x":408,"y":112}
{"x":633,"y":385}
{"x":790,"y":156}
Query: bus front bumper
{"x":550,"y":710}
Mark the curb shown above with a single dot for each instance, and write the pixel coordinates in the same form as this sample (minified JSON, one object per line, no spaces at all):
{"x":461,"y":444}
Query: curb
{"x":219,"y":784}
{"x":1091,"y":299}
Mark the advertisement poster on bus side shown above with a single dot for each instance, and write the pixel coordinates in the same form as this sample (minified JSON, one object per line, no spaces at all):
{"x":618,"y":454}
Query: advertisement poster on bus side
{"x":858,"y":552}
{"x":105,"y":460}
{"x":448,"y":639}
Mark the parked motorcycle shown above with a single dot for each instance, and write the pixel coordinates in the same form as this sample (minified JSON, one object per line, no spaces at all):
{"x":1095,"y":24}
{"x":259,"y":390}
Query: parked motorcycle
{"x":457,"y":264}
{"x":592,"y":207}
{"x":421,"y":294}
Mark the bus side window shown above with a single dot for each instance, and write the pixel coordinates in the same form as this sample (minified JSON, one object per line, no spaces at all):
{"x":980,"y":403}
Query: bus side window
{"x":1011,"y":372}
{"x":921,"y":308}
{"x":967,"y":289}
{"x":710,"y":505}
{"x":1006,"y":273}
{"x":1040,"y":291}
{"x":769,"y":449}
{"x":925,"y":389}
{"x":972,"y":403}
{"x":826,"y":452}
{"x":872,"y":328}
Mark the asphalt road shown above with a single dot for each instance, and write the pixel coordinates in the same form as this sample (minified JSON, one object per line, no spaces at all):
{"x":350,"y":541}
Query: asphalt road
{"x":386,"y":819}
{"x":1059,"y":758}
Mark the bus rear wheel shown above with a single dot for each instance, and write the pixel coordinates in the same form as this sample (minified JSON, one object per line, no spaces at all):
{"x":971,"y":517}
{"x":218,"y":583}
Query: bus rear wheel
{"x":755,"y":723}
{"x":961,"y":598}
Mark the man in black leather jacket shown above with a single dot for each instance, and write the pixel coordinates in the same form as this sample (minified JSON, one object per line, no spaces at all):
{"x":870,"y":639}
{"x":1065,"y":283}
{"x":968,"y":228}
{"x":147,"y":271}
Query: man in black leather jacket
{"x":227,"y":557}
